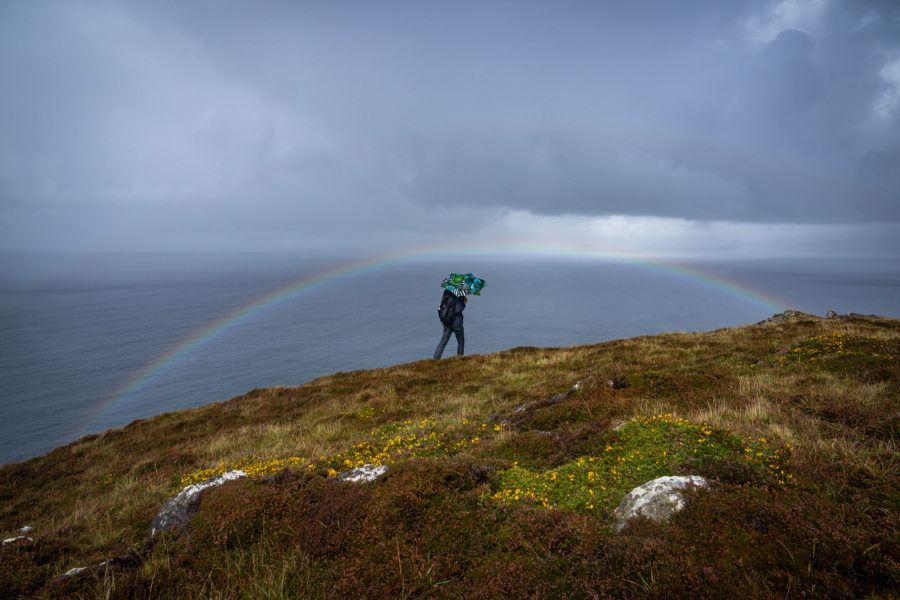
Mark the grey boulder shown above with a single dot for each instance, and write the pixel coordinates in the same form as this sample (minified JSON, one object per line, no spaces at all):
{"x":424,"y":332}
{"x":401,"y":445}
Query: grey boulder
{"x":657,"y":500}
{"x":180,"y":508}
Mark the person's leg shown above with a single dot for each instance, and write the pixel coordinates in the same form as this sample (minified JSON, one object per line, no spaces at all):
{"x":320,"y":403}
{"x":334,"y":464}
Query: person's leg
{"x":444,"y":338}
{"x":460,"y":340}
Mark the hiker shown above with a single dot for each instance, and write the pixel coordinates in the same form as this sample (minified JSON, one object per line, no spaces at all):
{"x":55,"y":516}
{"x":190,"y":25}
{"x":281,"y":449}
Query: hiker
{"x":454,"y":326}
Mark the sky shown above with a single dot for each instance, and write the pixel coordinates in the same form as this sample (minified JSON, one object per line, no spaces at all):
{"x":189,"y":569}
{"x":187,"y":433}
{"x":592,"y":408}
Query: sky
{"x":704,"y":129}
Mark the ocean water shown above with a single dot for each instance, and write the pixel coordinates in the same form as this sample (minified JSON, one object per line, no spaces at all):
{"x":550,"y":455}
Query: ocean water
{"x":89,"y":343}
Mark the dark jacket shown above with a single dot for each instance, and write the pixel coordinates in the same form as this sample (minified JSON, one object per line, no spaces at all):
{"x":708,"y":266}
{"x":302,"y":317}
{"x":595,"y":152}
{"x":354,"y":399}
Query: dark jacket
{"x":460,"y":307}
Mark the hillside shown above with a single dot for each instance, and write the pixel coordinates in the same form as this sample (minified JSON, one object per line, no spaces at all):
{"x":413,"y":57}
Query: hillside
{"x":502,"y":476}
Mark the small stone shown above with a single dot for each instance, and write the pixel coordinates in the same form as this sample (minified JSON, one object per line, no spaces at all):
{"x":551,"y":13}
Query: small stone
{"x":363,"y":474}
{"x":73,"y":572}
{"x":15,"y":539}
{"x":831,"y":315}
{"x":500,"y":419}
{"x":580,"y":384}
{"x":23,"y":535}
{"x":617,"y":383}
{"x":128,"y":561}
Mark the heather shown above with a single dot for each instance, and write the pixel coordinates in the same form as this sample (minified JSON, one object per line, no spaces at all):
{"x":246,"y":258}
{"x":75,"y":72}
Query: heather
{"x":502,"y":477}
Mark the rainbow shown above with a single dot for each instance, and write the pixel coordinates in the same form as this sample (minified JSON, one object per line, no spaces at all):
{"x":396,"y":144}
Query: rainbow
{"x":266,"y":301}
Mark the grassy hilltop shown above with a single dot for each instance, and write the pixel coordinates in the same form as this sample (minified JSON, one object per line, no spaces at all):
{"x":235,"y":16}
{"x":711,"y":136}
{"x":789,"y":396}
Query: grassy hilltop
{"x":502,"y":478}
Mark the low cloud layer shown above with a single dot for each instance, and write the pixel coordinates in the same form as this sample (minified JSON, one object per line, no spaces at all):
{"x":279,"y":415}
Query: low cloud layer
{"x":314,"y":127}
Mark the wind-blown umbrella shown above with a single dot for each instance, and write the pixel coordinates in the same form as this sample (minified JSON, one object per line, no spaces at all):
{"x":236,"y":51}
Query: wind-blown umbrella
{"x":461,"y":284}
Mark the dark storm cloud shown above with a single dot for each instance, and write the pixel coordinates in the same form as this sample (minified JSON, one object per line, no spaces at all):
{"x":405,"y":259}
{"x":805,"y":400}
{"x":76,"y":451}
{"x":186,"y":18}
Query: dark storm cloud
{"x":715,"y":127}
{"x":292,"y":124}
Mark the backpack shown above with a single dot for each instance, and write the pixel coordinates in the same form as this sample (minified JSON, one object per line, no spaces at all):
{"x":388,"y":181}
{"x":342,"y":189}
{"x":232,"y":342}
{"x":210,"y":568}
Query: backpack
{"x":447,"y":309}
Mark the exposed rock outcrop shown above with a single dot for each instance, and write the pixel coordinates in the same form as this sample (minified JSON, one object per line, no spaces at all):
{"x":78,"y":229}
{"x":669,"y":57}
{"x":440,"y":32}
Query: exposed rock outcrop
{"x":180,"y":508}
{"x":789,"y":316}
{"x":657,"y":500}
{"x":363,"y":474}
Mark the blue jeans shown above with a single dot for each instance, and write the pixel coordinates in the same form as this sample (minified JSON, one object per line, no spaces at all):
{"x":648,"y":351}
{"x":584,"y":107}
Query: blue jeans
{"x":460,"y":340}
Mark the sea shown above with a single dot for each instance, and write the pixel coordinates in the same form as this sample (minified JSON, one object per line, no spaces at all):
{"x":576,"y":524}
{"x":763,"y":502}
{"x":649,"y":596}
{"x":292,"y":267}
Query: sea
{"x":93,"y":342}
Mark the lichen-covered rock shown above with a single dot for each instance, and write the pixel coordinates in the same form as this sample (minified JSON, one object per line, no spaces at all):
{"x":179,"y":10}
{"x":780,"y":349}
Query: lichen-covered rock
{"x":180,"y":508}
{"x":657,"y":500}
{"x":363,"y":474}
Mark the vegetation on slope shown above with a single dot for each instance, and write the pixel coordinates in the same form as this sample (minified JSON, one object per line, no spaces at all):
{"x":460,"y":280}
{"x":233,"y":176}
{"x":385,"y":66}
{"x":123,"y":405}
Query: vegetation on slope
{"x":502,"y":478}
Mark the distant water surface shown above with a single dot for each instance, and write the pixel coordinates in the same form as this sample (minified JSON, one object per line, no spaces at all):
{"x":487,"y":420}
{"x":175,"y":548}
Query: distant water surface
{"x":77,"y":331}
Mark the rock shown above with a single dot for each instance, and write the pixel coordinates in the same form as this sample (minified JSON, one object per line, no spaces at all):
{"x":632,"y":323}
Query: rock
{"x":16,"y":539}
{"x":500,"y":419}
{"x":75,"y":571}
{"x":580,"y":384}
{"x":831,"y":315}
{"x":180,"y":508}
{"x":789,"y":316}
{"x":363,"y":474}
{"x":23,"y":535}
{"x":618,"y":383}
{"x":129,"y":561}
{"x":657,"y":500}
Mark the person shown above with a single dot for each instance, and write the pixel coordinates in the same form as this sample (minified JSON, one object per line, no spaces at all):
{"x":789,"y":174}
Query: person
{"x":456,"y":327}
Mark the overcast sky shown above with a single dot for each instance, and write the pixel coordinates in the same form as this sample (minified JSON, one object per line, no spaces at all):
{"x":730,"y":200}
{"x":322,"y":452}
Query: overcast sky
{"x":709,"y":128}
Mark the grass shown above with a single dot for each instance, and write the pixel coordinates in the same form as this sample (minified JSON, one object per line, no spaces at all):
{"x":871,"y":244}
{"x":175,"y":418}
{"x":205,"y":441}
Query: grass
{"x":502,"y":478}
